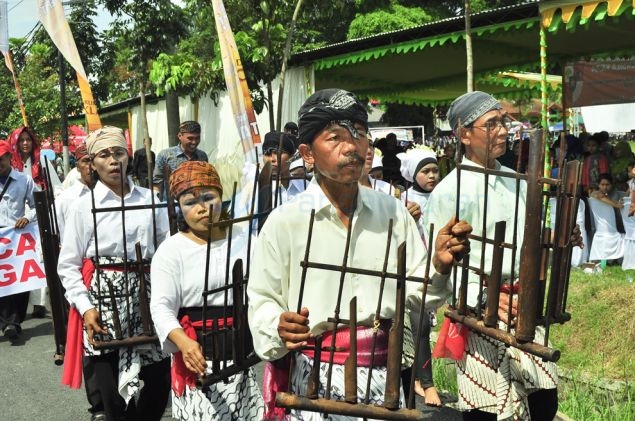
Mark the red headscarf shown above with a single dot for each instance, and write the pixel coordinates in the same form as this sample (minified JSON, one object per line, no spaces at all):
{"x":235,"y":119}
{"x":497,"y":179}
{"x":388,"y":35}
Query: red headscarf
{"x":16,"y":157}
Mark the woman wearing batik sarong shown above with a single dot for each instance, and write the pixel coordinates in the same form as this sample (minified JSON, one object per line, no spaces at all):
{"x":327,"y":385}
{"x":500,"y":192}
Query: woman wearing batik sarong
{"x":178,"y":271}
{"x":130,"y":383}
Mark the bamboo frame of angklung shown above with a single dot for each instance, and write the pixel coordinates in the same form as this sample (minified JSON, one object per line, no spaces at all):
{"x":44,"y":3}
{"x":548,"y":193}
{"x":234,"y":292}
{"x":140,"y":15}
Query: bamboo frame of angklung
{"x":50,"y":252}
{"x":534,"y":255}
{"x":124,"y":339}
{"x":50,"y":240}
{"x":243,"y":356}
{"x":390,"y":410}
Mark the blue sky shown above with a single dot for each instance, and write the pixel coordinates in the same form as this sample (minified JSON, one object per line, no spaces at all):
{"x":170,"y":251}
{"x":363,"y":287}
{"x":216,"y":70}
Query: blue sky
{"x":23,"y":17}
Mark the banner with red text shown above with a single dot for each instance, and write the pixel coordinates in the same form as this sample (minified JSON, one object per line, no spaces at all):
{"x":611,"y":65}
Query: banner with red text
{"x":21,"y":267}
{"x":54,"y":21}
{"x":236,"y":82}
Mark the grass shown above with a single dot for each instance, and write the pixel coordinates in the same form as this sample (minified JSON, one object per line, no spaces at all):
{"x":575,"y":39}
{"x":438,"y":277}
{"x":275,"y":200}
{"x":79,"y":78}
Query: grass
{"x":600,"y":338}
{"x":597,"y":346}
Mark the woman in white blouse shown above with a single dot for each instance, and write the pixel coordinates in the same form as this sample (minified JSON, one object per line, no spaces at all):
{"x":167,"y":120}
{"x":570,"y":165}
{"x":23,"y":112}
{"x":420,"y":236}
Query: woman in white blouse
{"x":127,"y":383}
{"x":178,"y":271}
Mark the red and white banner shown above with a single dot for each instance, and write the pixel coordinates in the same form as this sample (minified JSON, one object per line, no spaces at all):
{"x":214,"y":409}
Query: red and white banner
{"x":21,"y":267}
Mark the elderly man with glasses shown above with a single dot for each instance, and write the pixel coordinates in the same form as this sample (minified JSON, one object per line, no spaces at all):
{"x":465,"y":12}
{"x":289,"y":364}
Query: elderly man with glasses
{"x":494,"y":381}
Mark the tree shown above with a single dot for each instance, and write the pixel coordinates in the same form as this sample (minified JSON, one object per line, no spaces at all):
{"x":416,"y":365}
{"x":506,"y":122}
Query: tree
{"x":145,"y":29}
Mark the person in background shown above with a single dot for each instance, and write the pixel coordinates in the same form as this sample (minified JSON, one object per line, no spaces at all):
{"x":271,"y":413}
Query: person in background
{"x":446,"y":161}
{"x":25,"y":157}
{"x":140,"y":165}
{"x":189,"y":137}
{"x":622,"y":157}
{"x":420,"y":168}
{"x":377,"y":168}
{"x":69,"y":197}
{"x":391,"y":161}
{"x":366,"y":180}
{"x":16,"y":192}
{"x":25,"y":154}
{"x":594,"y":164}
{"x":292,"y":129}
{"x":288,"y":189}
{"x":606,"y":193}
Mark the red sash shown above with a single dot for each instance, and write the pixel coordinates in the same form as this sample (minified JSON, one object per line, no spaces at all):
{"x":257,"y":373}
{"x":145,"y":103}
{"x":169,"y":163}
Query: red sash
{"x":74,"y":350}
{"x":181,"y":375}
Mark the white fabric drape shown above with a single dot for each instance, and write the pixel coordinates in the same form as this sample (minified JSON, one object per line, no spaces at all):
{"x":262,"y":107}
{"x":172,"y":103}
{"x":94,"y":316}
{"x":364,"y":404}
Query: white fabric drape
{"x":629,"y":237}
{"x":608,"y":244}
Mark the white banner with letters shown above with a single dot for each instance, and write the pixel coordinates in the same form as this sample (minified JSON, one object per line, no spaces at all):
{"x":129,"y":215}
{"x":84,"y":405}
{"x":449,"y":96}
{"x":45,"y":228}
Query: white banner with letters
{"x":21,"y":267}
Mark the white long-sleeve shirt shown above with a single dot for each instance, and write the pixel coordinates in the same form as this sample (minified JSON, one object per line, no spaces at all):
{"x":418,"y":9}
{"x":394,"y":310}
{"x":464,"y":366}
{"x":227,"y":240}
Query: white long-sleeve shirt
{"x":276,"y":272}
{"x":79,"y":236}
{"x":441,"y":206}
{"x":65,"y":201}
{"x":178,"y":278}
{"x":17,"y":195}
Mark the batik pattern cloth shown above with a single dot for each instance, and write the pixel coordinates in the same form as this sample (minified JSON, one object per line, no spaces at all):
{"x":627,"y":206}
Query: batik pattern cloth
{"x":131,"y":359}
{"x":495,"y":378}
{"x":238,"y":399}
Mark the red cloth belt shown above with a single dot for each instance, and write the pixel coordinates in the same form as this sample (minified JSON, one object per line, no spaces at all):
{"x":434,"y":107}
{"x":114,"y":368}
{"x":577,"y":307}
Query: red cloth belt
{"x":181,"y":375}
{"x":364,"y":346}
{"x":74,"y":350}
{"x":276,"y":374}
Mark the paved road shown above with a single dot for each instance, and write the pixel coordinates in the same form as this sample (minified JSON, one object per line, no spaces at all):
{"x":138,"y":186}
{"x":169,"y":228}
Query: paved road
{"x":30,"y":386}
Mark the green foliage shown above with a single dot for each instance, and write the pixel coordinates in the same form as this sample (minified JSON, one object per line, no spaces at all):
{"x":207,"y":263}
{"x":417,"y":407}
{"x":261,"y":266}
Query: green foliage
{"x":144,"y":29}
{"x":396,"y":18}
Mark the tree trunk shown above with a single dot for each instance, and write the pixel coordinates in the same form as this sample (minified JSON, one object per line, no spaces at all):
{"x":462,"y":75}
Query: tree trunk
{"x":172,"y":114}
{"x":285,"y":58}
{"x":468,"y":48}
{"x":146,"y":133}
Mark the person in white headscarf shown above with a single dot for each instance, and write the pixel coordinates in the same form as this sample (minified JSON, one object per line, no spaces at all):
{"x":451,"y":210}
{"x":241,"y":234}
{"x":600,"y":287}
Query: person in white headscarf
{"x":419,"y":167}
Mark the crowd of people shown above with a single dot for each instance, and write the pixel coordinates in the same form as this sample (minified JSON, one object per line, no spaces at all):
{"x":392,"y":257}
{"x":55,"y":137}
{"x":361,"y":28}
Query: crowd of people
{"x":326,"y":165}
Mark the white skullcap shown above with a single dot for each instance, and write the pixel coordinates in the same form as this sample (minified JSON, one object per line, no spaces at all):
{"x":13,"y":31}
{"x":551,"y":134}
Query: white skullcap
{"x":377,"y":163}
{"x":298,"y":163}
{"x":413,"y":160}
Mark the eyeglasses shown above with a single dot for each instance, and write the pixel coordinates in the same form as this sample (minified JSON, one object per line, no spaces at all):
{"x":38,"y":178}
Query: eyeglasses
{"x":496,"y":124}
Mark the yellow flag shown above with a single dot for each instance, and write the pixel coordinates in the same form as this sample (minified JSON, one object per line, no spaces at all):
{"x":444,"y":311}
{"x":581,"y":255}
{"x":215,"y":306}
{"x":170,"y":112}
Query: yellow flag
{"x":54,"y":21}
{"x":236,"y":81}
